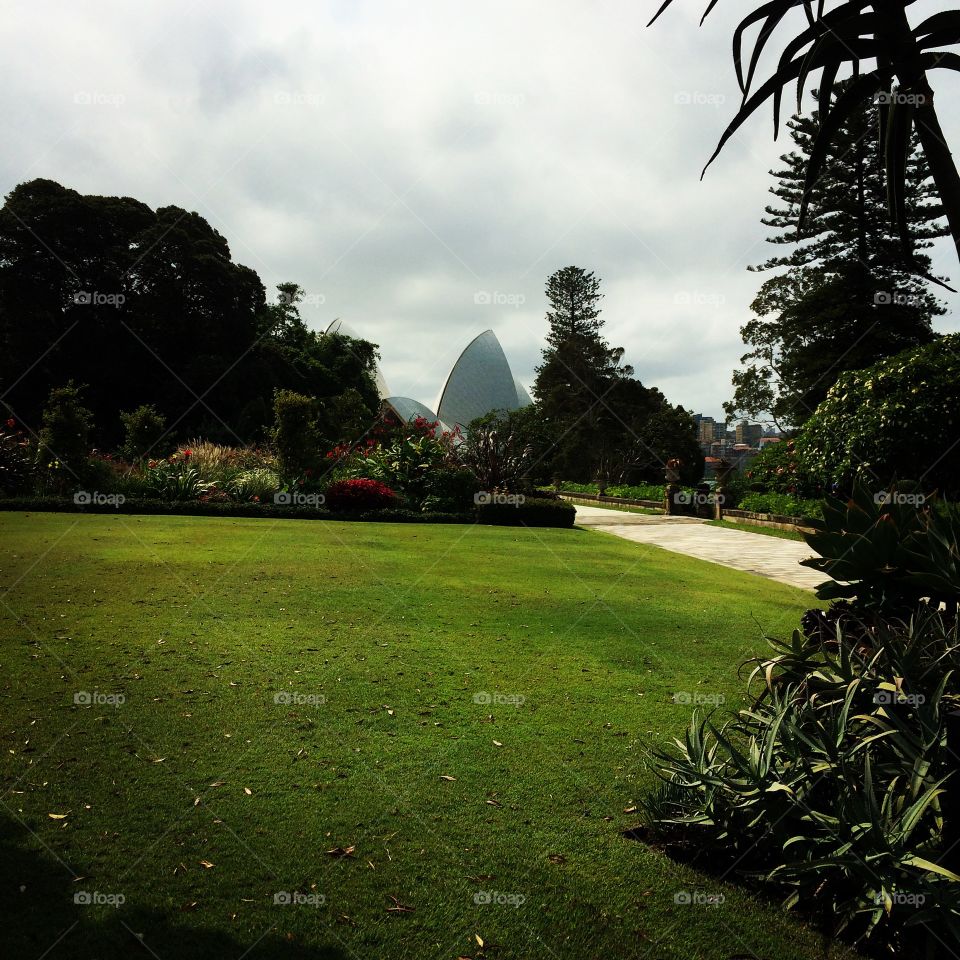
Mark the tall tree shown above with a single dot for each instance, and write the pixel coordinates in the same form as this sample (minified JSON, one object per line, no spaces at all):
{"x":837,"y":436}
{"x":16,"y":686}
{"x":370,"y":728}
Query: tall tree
{"x":849,"y":33}
{"x":846,"y":294}
{"x":595,"y":417}
{"x":578,"y":371}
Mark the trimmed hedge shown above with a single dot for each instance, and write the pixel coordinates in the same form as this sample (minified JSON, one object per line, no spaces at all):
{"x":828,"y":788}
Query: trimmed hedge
{"x":194,"y":508}
{"x":531,"y":513}
{"x":783,"y":504}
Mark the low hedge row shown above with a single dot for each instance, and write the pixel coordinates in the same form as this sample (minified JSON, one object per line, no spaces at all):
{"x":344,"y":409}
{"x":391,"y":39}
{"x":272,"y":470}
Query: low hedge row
{"x":532,"y":513}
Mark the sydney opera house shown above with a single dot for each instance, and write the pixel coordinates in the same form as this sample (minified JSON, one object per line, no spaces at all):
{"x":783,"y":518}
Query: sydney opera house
{"x":479,"y":382}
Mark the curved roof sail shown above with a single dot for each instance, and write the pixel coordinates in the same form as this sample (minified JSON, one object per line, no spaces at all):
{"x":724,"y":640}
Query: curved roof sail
{"x":480,"y":381}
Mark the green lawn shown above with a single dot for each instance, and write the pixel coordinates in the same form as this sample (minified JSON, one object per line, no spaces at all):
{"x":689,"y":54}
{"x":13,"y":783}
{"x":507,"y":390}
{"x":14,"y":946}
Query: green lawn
{"x":199,"y":799}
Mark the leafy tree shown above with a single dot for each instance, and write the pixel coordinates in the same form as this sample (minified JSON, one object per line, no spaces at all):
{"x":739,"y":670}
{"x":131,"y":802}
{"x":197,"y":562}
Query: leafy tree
{"x":891,"y":421}
{"x":652,"y":432}
{"x":846,"y":295}
{"x":850,"y":32}
{"x":148,"y":307}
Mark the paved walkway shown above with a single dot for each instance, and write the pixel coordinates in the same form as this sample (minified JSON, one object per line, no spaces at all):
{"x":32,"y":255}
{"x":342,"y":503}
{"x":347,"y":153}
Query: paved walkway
{"x":771,"y":557}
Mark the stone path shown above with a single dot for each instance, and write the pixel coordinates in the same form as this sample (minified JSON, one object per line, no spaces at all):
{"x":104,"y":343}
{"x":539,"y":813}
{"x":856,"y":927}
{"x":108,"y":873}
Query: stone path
{"x":770,"y":557}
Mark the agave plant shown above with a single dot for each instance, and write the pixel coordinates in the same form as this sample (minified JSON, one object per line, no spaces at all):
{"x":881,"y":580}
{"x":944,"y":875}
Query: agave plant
{"x":831,"y":786}
{"x":857,"y":34}
{"x":888,"y":551}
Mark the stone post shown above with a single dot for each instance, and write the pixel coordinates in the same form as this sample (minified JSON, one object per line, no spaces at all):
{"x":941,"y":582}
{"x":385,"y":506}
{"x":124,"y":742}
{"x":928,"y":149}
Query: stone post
{"x":672,"y":476}
{"x":723,"y":470}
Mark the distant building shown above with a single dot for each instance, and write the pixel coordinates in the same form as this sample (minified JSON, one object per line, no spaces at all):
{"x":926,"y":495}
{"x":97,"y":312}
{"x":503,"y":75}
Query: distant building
{"x":749,"y":433}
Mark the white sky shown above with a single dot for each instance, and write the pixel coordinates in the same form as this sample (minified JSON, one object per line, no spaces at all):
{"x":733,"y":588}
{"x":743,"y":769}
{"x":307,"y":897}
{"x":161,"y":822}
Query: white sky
{"x":403,"y":161}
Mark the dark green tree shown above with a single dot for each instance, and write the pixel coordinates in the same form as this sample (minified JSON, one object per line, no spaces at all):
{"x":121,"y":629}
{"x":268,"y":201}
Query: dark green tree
{"x":148,"y":307}
{"x":846,"y":294}
{"x":578,"y":372}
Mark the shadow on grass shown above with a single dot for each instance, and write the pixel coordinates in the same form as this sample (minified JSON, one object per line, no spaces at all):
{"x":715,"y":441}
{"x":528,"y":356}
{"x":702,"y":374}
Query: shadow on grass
{"x":39,"y":918}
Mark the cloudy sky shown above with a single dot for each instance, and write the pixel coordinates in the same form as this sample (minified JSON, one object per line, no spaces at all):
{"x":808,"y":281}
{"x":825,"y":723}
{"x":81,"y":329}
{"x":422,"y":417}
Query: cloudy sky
{"x":421,"y":168}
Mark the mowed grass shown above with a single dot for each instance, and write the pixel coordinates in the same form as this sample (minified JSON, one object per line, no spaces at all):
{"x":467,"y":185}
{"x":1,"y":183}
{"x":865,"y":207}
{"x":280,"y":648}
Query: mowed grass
{"x":373,"y":717}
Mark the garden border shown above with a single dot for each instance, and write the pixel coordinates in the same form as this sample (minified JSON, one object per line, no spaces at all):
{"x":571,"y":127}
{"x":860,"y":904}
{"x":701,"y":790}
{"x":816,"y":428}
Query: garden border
{"x":535,"y":513}
{"x":772,"y":521}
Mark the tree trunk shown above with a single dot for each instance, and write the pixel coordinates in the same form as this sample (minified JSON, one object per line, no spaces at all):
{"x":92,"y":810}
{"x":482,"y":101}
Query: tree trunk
{"x":897,"y":36}
{"x":942,"y":165}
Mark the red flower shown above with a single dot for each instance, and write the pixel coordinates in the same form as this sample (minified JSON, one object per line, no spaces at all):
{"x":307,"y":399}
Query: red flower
{"x":11,"y":423}
{"x":187,"y":453}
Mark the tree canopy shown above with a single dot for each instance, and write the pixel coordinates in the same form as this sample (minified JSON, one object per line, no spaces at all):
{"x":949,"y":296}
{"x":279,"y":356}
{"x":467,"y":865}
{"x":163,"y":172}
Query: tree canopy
{"x":148,"y":307}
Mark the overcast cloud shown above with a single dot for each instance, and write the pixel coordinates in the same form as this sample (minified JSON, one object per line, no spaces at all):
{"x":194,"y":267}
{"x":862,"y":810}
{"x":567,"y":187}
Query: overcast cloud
{"x":405,"y":162}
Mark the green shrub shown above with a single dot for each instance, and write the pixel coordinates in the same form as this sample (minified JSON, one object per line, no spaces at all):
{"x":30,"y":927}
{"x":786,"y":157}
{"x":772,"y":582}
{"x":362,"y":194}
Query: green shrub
{"x":450,"y":490}
{"x":410,"y":460}
{"x":891,"y":421}
{"x":143,"y":430}
{"x":782,"y":504}
{"x":261,"y":483}
{"x":175,"y":479}
{"x":887,"y":553}
{"x":779,"y":468}
{"x":830,"y":785}
{"x":64,"y":440}
{"x":510,"y":511}
{"x":637,"y":491}
{"x":206,"y":508}
{"x":295,"y":433}
{"x":496,"y":454}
